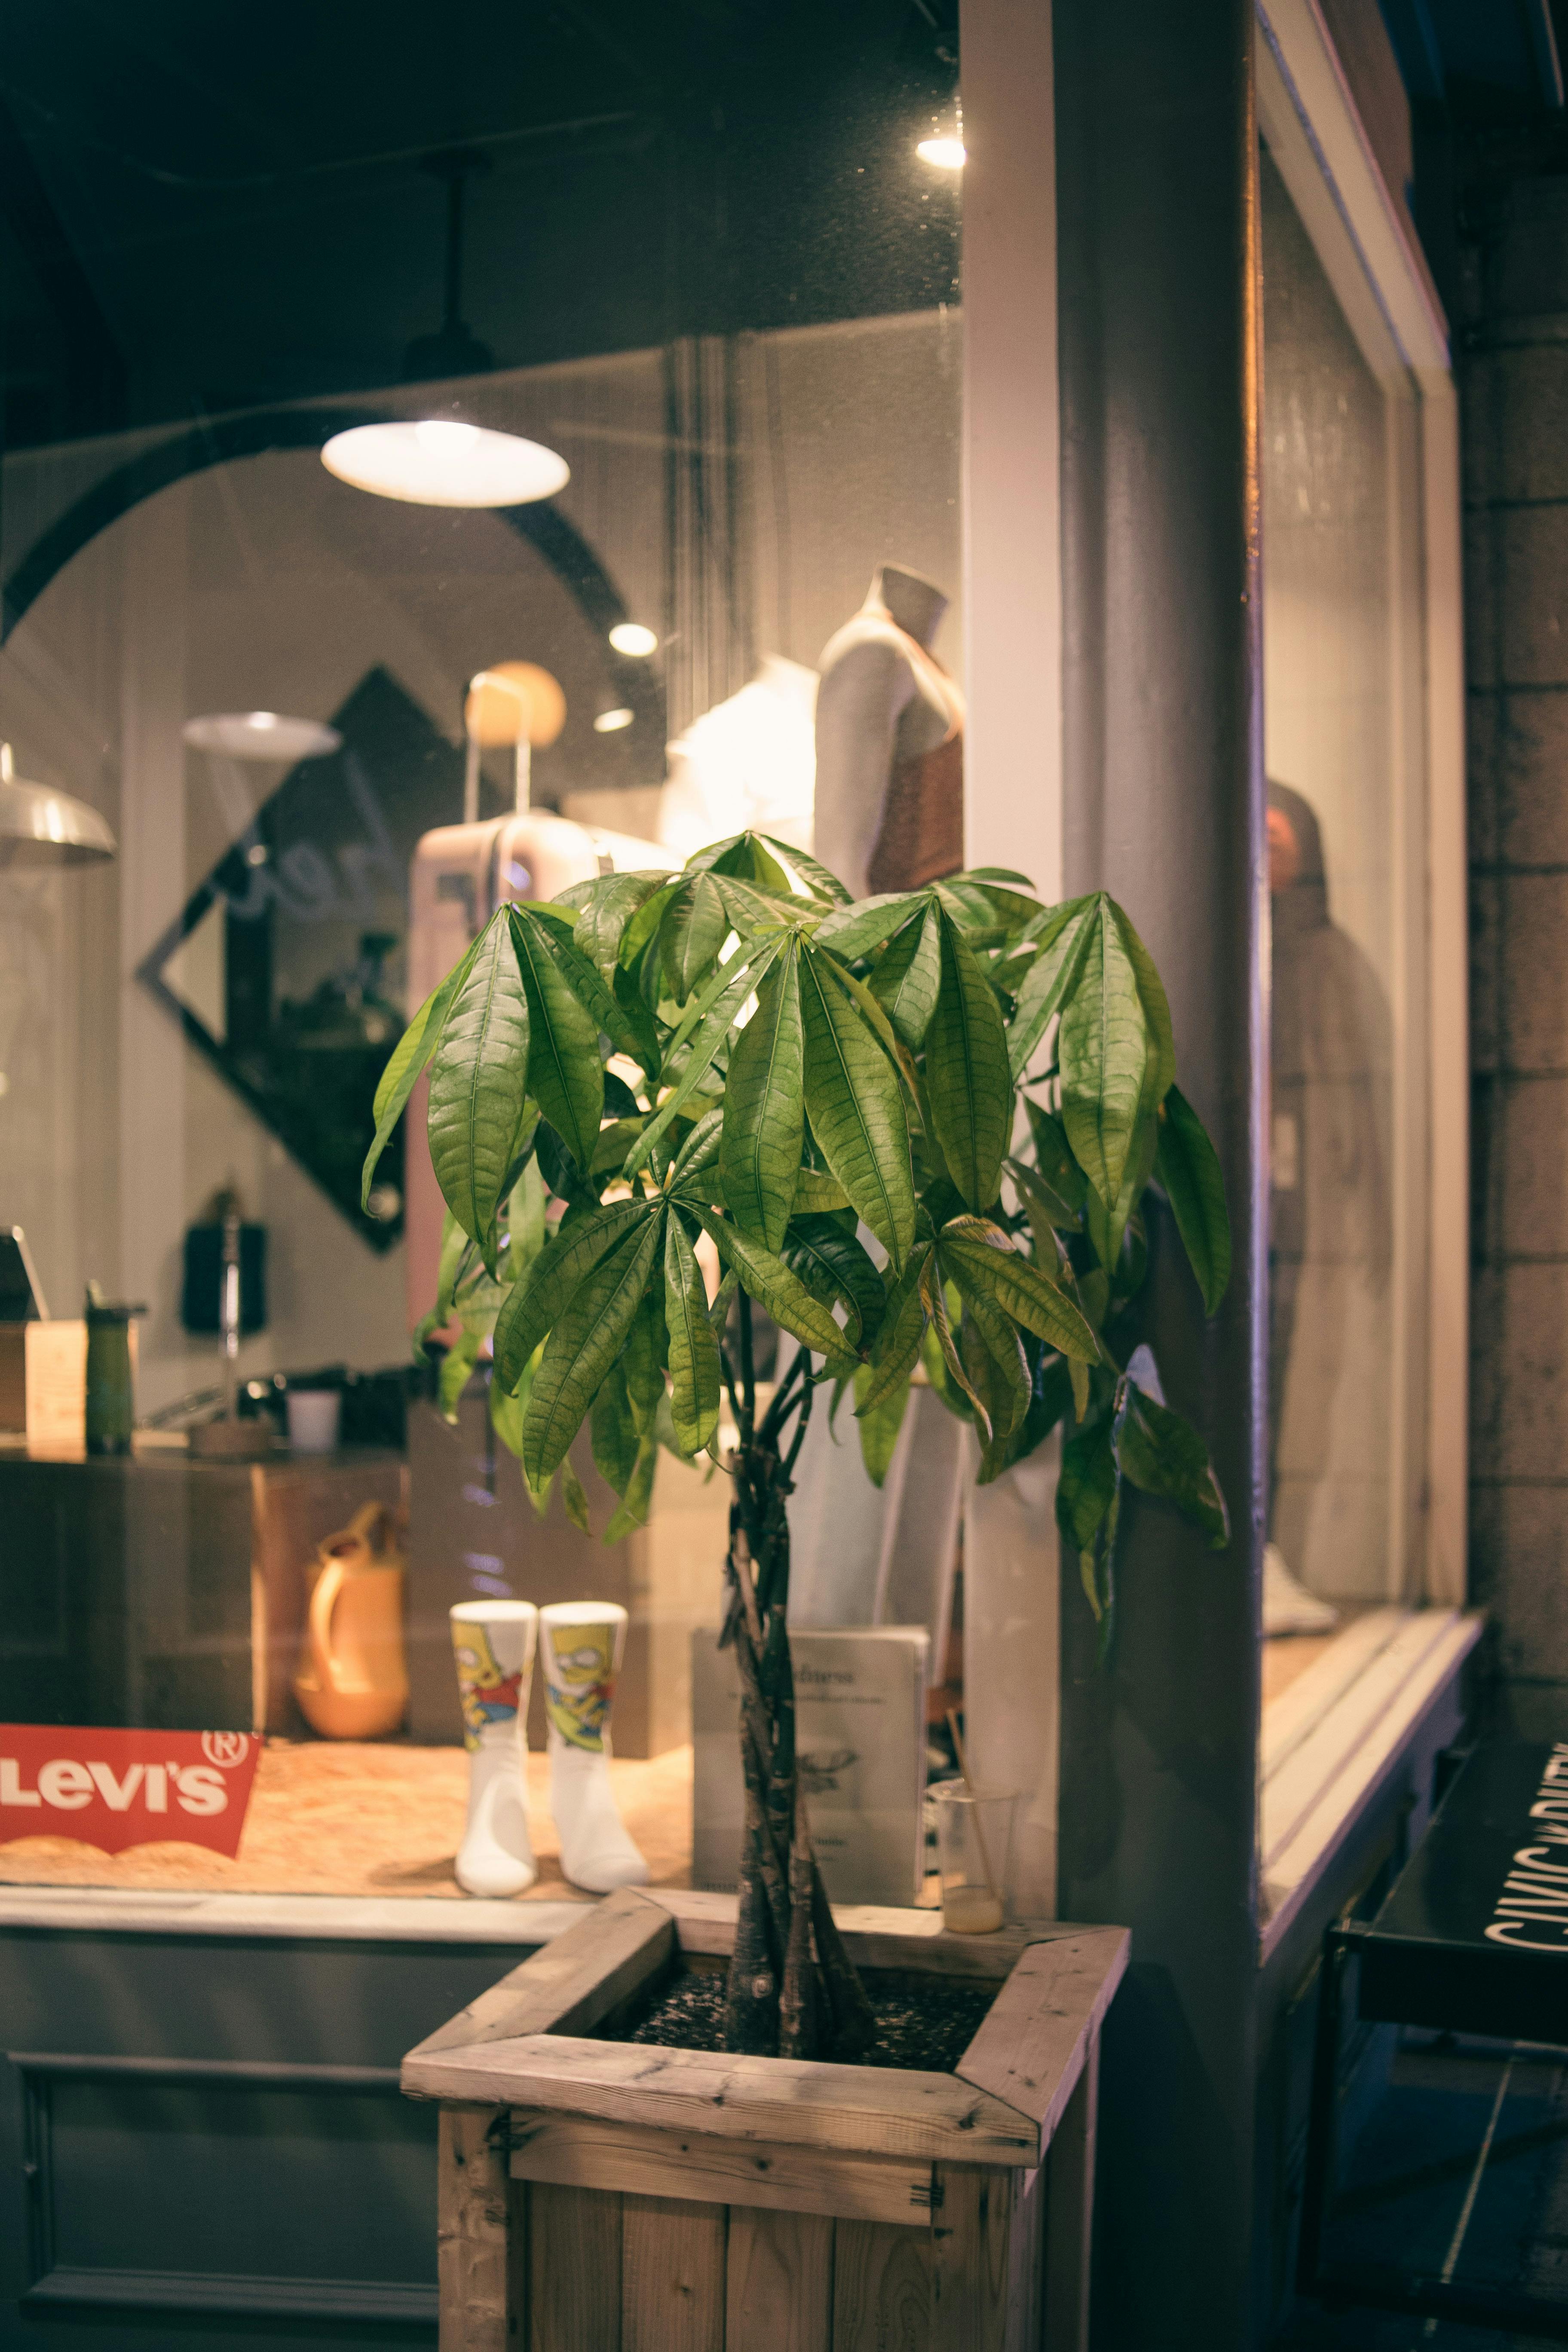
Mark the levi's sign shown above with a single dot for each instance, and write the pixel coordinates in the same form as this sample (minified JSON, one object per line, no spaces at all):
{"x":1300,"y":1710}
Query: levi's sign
{"x":117,"y":1789}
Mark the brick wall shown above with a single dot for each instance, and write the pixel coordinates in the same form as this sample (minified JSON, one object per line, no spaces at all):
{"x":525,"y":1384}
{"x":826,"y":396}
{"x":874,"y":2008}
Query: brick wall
{"x":1515,"y":407}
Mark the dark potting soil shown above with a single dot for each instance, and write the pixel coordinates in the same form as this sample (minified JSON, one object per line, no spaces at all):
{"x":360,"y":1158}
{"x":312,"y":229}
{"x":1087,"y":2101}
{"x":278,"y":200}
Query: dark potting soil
{"x":921,"y":2022}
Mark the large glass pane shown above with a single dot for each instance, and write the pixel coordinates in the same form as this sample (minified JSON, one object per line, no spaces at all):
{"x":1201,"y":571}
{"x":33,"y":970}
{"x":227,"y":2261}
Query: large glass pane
{"x":702,"y":269}
{"x":1332,"y":702}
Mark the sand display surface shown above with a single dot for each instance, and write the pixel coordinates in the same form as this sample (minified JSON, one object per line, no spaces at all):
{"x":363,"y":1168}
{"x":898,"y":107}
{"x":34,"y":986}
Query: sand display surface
{"x":336,"y":1817}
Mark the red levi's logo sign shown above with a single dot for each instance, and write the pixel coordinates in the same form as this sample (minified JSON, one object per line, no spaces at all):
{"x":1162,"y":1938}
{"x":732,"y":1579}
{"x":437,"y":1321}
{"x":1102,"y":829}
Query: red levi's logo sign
{"x":116,"y":1789}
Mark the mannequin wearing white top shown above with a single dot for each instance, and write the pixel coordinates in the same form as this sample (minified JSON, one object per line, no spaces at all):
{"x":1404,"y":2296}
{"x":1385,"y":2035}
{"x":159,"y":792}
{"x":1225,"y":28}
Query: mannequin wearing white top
{"x":888,"y":717}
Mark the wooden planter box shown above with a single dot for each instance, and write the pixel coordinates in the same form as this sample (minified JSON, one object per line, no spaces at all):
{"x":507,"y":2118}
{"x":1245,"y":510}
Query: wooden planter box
{"x":602,"y":2196}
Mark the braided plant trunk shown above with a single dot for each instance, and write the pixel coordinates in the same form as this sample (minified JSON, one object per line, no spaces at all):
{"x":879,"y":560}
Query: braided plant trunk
{"x":792,"y":1990}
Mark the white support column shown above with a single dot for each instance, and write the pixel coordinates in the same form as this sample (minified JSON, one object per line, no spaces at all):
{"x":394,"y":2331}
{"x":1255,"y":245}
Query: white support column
{"x":1012,"y":801}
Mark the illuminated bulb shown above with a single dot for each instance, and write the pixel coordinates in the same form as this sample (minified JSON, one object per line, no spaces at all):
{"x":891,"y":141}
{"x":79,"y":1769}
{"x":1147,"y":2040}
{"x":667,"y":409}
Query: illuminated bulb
{"x":631,"y":638}
{"x":948,"y":155}
{"x":610,"y":722}
{"x":442,"y":462}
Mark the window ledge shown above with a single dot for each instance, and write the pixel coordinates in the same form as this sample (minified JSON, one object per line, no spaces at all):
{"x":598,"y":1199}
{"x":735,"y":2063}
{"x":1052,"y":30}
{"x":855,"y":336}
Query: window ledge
{"x":1335,"y":1738}
{"x":302,"y":1918}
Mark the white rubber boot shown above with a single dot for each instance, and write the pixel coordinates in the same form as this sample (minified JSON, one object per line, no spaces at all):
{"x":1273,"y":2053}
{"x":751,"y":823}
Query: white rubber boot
{"x":493,"y":1642}
{"x":580,"y":1643}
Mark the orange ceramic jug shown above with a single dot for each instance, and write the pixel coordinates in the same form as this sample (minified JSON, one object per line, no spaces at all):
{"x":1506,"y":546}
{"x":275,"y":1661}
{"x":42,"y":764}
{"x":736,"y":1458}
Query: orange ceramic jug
{"x":353,"y":1681}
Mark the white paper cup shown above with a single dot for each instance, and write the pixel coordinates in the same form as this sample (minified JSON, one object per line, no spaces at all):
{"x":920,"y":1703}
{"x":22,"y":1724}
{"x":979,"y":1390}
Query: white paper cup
{"x":314,"y":1418}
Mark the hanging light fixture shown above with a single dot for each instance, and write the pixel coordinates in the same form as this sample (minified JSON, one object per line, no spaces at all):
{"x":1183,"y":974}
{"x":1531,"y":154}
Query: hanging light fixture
{"x":610,"y":722}
{"x":632,"y":637}
{"x":41,"y":827}
{"x":261,"y":735}
{"x":440,"y":461}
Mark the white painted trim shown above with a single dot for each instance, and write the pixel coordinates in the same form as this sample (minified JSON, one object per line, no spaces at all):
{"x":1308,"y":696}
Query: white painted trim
{"x":1335,"y":1777}
{"x":1013,"y":795}
{"x":298,"y":1918}
{"x":1288,"y":1720}
{"x":1310,"y":71}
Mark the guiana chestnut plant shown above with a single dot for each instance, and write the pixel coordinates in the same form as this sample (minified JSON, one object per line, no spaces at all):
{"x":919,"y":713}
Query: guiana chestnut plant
{"x":830,"y":1092}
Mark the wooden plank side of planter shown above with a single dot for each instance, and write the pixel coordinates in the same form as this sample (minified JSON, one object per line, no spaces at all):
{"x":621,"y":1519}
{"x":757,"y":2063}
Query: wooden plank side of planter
{"x":568,"y":1985}
{"x":1069,"y":2213}
{"x":874,"y":1936}
{"x":1026,"y":2258}
{"x":640,"y":2161}
{"x":472,"y":2252}
{"x":1030,"y":2047}
{"x":672,"y":2275}
{"x":872,"y":2111}
{"x":778,"y":2282}
{"x":970,"y":2251}
{"x":881,"y":2288}
{"x":574,"y":2271}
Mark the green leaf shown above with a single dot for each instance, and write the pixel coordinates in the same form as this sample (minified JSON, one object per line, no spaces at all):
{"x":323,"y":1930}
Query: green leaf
{"x":967,"y":1079}
{"x":1086,"y":1486}
{"x":601,"y":926}
{"x":815,"y":877}
{"x":694,"y":928}
{"x":880,"y":1423}
{"x":694,"y":1369}
{"x":864,"y":925}
{"x":1156,"y":1011}
{"x":566,"y":1075}
{"x":478,"y":1083}
{"x":614,"y":1432}
{"x":699,"y":1152}
{"x":767,"y":1279}
{"x":765,"y":1123}
{"x":585,"y":1341}
{"x":908,"y":976}
{"x":1162,"y":1452}
{"x":854,"y":1100}
{"x":574,"y":1501}
{"x":533,"y":1305}
{"x":409,"y":1055}
{"x":1063,"y":942}
{"x":638,"y":1497}
{"x":981,"y":1260}
{"x":816,"y":1195}
{"x":1103,"y":1045}
{"x":455,"y":1248}
{"x":720,"y":1002}
{"x":457,"y":1370}
{"x":833,"y":1266}
{"x":643,"y":1357}
{"x":1045,"y":1210}
{"x":933,"y":1296}
{"x":903,"y":1328}
{"x":993,"y":1358}
{"x":1189,"y":1167}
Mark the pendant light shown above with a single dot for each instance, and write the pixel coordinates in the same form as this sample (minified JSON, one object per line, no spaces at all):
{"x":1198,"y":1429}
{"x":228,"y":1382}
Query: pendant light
{"x":41,"y":827}
{"x":261,"y":735}
{"x":440,"y":461}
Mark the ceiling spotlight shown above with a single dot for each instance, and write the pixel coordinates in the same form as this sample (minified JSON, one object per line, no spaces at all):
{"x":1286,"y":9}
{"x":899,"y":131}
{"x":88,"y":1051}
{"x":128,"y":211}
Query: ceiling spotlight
{"x":948,"y":155}
{"x":261,"y":735}
{"x":631,"y":638}
{"x":39,"y":826}
{"x":610,"y":722}
{"x":442,"y":462}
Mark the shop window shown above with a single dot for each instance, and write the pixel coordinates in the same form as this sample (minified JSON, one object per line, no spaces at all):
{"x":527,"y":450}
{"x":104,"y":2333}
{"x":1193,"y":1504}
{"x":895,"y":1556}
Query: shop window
{"x":734,"y":329}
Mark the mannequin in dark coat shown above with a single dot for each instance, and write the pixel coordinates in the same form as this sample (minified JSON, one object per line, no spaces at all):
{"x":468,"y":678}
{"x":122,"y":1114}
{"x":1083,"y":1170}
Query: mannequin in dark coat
{"x":1331,"y":1233}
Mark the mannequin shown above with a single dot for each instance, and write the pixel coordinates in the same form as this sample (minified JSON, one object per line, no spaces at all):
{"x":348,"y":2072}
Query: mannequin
{"x":1331,"y":1220}
{"x":890,"y":743}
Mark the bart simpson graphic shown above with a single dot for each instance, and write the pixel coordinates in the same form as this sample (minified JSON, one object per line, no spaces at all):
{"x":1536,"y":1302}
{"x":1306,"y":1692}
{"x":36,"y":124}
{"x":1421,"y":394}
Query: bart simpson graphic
{"x":579,"y":1703}
{"x":488,"y":1695}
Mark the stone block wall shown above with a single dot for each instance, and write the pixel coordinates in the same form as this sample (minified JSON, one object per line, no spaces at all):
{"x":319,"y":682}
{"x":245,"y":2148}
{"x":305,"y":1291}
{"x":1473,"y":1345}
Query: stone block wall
{"x":1515,"y":412}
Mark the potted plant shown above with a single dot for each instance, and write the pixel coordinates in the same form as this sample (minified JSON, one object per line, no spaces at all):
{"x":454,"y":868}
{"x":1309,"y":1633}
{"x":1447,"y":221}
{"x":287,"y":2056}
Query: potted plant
{"x":981,"y":1085}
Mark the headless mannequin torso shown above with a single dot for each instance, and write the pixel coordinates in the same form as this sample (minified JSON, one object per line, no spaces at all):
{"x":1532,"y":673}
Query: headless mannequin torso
{"x":888,"y":743}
